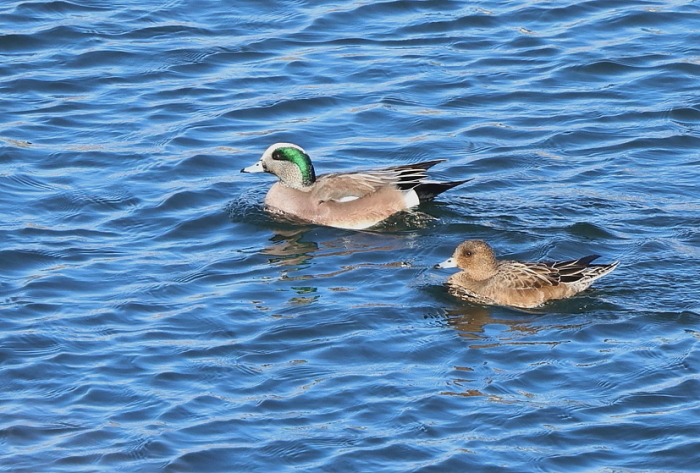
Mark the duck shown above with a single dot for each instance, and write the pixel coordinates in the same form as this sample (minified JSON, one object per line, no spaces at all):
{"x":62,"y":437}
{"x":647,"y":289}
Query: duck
{"x":349,"y":200}
{"x":522,"y":284}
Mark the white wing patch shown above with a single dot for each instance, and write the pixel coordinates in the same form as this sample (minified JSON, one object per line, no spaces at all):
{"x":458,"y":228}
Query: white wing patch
{"x":347,"y":198}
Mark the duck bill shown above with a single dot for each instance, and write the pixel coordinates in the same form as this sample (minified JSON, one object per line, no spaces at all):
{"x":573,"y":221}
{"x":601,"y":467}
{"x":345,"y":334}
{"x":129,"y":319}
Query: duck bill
{"x":257,"y":167}
{"x":448,"y":263}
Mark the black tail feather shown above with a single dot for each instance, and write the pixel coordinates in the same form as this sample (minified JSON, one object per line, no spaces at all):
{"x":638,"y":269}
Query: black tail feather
{"x":430,"y":189}
{"x":425,"y":165}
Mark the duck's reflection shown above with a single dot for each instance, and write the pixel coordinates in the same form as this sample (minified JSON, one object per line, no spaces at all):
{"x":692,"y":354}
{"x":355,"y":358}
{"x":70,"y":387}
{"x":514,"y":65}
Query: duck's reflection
{"x":287,"y":249}
{"x":516,"y":327}
{"x":293,"y":251}
{"x":470,"y":321}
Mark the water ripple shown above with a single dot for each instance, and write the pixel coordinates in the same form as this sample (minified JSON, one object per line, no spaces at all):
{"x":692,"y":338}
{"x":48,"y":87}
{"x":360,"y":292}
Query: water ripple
{"x":154,"y":316}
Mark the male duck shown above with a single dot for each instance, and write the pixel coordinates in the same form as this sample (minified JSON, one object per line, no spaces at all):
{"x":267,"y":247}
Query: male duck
{"x":355,"y":200}
{"x":485,"y":280}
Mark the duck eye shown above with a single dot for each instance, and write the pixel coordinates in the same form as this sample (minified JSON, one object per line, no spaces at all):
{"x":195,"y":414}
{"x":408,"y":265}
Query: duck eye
{"x":277,"y":155}
{"x":468,"y":253}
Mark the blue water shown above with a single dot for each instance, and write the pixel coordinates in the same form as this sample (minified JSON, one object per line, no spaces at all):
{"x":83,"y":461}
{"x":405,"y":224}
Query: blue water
{"x":154,"y":318}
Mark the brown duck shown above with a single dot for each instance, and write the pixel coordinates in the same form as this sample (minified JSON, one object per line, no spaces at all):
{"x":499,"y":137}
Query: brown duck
{"x":486,"y":280}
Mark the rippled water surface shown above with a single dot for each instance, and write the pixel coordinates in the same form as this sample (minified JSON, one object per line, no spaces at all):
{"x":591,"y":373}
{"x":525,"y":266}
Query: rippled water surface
{"x":154,"y":318}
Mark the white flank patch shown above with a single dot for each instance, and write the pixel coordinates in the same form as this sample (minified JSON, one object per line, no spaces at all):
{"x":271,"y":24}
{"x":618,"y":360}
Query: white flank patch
{"x":411,"y":198}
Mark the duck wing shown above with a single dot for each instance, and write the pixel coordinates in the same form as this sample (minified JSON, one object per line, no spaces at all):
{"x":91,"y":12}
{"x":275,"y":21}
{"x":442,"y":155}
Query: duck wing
{"x":344,"y":187}
{"x":572,"y":270}
{"x":527,"y":275}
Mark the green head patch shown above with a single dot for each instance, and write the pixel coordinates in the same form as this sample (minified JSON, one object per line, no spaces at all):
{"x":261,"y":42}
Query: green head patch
{"x":301,"y":159}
